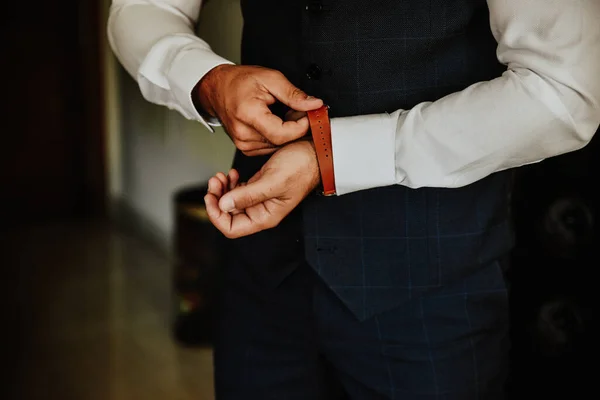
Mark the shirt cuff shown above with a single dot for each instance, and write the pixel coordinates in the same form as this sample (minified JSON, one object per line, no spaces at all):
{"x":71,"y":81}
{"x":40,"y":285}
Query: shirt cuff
{"x":363,"y":150}
{"x":187,"y":69}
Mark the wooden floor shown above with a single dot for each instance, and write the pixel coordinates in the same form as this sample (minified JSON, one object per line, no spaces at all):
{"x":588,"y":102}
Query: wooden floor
{"x":87,"y":317}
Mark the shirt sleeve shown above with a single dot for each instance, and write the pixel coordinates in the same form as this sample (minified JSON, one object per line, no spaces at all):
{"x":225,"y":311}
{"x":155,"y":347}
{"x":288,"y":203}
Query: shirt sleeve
{"x":545,"y":104}
{"x":155,"y":41}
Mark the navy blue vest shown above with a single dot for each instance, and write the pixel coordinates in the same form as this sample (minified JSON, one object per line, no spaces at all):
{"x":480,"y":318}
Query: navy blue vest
{"x":378,"y":248}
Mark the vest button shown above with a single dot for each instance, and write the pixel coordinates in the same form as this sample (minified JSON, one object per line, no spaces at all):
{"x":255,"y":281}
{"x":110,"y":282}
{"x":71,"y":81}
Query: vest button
{"x":314,"y":72}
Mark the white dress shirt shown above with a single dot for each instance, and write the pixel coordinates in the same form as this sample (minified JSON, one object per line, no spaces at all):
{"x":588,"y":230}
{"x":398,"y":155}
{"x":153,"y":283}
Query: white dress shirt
{"x":546,"y":103}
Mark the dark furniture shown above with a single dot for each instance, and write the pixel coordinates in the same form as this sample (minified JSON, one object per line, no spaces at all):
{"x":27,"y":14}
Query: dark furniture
{"x":198,"y":259}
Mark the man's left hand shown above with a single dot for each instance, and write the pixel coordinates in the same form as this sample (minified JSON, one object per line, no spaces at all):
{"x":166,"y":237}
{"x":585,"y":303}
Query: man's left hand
{"x":268,"y":197}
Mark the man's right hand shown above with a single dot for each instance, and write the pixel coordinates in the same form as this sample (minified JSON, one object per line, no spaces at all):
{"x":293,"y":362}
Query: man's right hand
{"x":239,"y":97}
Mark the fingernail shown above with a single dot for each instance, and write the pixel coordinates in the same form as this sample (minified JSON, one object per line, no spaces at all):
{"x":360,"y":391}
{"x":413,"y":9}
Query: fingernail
{"x":210,"y":186}
{"x":227,"y":204}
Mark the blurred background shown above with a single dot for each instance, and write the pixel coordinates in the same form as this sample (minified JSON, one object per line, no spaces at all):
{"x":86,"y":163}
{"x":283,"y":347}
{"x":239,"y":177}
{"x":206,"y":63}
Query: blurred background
{"x":108,"y":262}
{"x":90,"y":175}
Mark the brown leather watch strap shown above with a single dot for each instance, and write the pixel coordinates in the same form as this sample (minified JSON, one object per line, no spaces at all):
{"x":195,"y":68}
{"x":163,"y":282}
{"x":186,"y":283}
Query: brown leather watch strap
{"x":321,"y":133}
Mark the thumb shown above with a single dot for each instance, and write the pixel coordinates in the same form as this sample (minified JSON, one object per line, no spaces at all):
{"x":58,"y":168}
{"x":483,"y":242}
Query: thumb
{"x":292,"y":96}
{"x":294,"y":115}
{"x":243,"y":197}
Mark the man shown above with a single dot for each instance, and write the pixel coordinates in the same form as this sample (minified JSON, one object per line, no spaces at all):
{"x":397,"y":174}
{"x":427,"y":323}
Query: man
{"x":394,"y":286}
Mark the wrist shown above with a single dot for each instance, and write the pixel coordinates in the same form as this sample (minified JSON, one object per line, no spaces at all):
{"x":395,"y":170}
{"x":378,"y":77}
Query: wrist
{"x":205,"y":89}
{"x":313,"y":162}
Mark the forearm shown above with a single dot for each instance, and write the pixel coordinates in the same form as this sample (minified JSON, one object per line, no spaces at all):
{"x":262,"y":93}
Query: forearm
{"x":546,"y":104}
{"x":156,"y":43}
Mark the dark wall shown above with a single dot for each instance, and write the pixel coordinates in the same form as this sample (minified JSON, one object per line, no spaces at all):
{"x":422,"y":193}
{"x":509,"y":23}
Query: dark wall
{"x":556,"y":211}
{"x":51,"y":157}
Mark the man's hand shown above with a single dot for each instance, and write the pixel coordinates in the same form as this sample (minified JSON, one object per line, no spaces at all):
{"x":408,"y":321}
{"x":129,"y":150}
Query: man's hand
{"x":269,"y":196}
{"x":240,"y":95}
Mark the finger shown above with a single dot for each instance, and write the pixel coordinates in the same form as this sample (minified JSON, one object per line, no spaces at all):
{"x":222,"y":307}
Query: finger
{"x":232,"y":226}
{"x":253,"y":146}
{"x":221,"y":220}
{"x":224,"y":181}
{"x":261,"y":214}
{"x":255,"y":192}
{"x":277,"y":131}
{"x":234,"y":181}
{"x":264,"y":152}
{"x":278,"y":85}
{"x":254,"y":219}
{"x":235,"y":212}
{"x":234,"y":178}
{"x":241,"y":225}
{"x":215,"y":187}
{"x":294,"y":115}
{"x":243,"y":133}
{"x":238,"y":225}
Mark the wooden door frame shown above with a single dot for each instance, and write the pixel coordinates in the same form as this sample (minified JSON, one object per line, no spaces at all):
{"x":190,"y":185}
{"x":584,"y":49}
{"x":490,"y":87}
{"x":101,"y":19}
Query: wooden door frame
{"x":92,"y":42}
